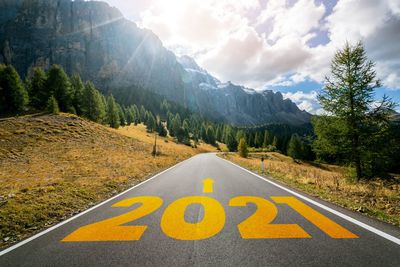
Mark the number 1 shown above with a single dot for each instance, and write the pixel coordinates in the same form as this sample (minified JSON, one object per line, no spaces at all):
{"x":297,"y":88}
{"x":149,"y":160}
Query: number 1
{"x":331,"y":228}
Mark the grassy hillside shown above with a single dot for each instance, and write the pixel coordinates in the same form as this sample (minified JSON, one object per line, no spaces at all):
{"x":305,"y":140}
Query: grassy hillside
{"x":52,"y":167}
{"x":377,"y":198}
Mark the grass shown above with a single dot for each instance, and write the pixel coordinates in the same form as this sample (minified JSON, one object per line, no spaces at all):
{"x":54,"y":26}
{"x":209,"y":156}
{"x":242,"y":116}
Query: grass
{"x":377,"y":198}
{"x":52,"y":167}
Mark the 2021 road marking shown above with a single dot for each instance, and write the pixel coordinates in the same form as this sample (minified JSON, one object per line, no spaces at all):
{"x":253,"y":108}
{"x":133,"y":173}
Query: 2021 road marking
{"x":173,"y":224}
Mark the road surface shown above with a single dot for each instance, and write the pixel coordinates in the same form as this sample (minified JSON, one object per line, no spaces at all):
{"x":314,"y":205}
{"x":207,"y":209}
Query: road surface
{"x":206,"y":211}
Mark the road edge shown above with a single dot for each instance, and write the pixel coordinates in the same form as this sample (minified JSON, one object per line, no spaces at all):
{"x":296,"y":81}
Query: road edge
{"x":322,"y":206}
{"x":29,"y":239}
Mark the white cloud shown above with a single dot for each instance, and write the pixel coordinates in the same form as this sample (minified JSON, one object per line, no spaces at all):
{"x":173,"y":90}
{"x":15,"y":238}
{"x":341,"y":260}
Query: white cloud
{"x":305,"y":101}
{"x":258,"y":43}
{"x":297,"y":20}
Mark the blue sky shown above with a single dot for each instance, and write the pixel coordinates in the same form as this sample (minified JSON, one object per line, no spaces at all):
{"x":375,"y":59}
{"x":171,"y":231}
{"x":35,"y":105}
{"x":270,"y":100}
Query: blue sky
{"x":281,"y":45}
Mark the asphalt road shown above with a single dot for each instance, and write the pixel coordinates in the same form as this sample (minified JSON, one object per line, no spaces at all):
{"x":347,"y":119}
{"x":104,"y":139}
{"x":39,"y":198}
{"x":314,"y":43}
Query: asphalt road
{"x":182,"y":233}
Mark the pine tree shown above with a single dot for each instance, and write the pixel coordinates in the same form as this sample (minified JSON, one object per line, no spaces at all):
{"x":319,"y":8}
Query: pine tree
{"x":250,"y":139}
{"x":176,"y":125}
{"x":121,"y":115}
{"x":161,"y":128}
{"x":266,"y":141}
{"x":77,"y":93}
{"x":242,"y":148}
{"x":93,"y":107}
{"x":275,"y":142}
{"x":38,"y":94}
{"x":13,"y":95}
{"x":151,"y":122}
{"x":52,"y":106}
{"x":294,"y":147}
{"x":348,"y":95}
{"x":137,"y":114}
{"x":239,"y":135}
{"x":203,"y":133}
{"x":59,"y":86}
{"x":210,"y":135}
{"x":112,"y":113}
{"x":258,"y":139}
{"x":220,"y":134}
{"x":231,"y":142}
{"x":142,"y":113}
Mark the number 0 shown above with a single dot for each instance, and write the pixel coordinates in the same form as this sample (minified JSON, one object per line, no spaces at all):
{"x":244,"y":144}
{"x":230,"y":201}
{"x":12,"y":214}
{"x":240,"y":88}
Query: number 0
{"x":174,"y":225}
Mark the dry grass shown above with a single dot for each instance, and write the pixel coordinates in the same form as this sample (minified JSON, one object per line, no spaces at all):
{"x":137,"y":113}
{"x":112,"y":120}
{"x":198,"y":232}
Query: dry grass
{"x":52,"y":167}
{"x":378,"y":198}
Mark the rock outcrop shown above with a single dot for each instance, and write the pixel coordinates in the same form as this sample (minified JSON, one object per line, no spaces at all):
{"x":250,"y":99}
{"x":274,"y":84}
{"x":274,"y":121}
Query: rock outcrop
{"x":95,"y":40}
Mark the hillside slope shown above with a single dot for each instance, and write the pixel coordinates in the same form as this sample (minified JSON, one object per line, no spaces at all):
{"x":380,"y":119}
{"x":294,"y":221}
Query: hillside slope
{"x":51,"y":167}
{"x":95,"y":40}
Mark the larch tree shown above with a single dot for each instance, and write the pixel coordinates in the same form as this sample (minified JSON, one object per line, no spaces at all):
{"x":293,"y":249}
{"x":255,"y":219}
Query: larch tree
{"x":242,"y":148}
{"x":354,"y":122}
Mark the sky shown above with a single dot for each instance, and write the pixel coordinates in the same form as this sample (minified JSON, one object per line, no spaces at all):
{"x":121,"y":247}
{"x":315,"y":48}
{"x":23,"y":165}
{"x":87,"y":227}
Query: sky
{"x":284,"y":46}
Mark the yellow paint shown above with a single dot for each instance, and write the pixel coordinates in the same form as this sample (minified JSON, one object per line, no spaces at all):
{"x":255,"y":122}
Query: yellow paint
{"x":173,"y":222}
{"x":258,"y":225}
{"x":208,"y":185}
{"x":331,"y":228}
{"x":111,"y":229}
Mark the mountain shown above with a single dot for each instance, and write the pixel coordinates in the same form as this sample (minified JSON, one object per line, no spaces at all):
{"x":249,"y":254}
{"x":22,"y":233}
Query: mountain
{"x":236,"y":104}
{"x":95,"y":40}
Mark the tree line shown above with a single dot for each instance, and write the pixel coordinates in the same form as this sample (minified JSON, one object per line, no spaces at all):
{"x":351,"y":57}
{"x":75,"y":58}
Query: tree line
{"x":55,"y":91}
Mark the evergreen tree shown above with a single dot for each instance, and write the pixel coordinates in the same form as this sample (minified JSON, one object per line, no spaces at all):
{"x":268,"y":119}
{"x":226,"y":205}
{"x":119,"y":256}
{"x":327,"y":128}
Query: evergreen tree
{"x":267,"y":140}
{"x":38,"y":94}
{"x":250,"y":139}
{"x":210,"y":135}
{"x":142,"y":113}
{"x":161,"y":128}
{"x":112,"y":113}
{"x":136,"y":112}
{"x":294,"y":148}
{"x":131,"y":117}
{"x":348,"y":95}
{"x":239,"y":135}
{"x":52,"y":106}
{"x":242,"y":148}
{"x":59,"y":85}
{"x":121,"y":115}
{"x":77,"y":93}
{"x":231,"y":142}
{"x":275,"y":142}
{"x":176,"y":125}
{"x":220,"y":134}
{"x":151,"y":122}
{"x":13,"y":95}
{"x":203,"y":133}
{"x":93,"y":107}
{"x":258,"y":139}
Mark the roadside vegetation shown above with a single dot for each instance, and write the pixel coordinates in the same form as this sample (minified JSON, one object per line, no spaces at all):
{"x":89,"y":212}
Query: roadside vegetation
{"x":54,"y":166}
{"x":357,"y":134}
{"x":377,"y":198}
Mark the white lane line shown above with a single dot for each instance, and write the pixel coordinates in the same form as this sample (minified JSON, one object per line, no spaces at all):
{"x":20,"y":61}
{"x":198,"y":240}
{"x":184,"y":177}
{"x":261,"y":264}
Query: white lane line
{"x":84,"y":212}
{"x":344,"y":216}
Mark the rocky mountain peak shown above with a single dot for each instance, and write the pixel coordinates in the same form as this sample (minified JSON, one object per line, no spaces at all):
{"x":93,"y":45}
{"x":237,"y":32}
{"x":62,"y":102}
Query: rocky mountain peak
{"x":95,"y":40}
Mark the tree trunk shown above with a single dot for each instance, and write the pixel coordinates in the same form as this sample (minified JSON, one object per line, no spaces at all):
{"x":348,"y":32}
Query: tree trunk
{"x":356,"y":156}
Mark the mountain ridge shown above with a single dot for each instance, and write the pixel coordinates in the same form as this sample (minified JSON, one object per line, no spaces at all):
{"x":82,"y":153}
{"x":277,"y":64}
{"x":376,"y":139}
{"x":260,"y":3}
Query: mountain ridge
{"x":96,"y":41}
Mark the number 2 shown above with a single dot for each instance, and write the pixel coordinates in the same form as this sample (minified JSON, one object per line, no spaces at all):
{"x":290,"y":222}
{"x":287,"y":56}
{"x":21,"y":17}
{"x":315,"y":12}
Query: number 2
{"x":111,"y":229}
{"x":258,"y":225}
